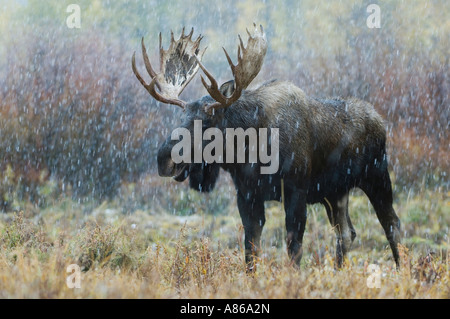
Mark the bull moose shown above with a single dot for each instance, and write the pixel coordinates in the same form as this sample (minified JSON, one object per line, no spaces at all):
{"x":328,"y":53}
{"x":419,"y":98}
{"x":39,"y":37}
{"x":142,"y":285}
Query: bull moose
{"x":326,"y":146}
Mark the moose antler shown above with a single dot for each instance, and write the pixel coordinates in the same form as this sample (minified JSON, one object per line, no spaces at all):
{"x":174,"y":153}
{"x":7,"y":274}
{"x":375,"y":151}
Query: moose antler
{"x":178,"y":65}
{"x":248,"y":66}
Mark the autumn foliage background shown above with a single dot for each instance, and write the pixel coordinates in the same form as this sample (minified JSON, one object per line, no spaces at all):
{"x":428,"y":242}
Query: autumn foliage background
{"x":76,"y":126}
{"x":72,"y":111}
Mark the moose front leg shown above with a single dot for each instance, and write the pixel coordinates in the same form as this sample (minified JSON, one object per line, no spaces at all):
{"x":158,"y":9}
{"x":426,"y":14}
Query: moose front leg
{"x":251,"y":209}
{"x":295,"y":208}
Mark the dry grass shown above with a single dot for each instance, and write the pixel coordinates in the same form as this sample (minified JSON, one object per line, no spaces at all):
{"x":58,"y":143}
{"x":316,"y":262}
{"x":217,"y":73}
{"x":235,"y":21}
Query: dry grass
{"x":144,"y":255}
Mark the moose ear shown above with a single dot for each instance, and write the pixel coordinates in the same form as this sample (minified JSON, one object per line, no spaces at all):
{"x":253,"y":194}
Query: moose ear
{"x":227,"y":89}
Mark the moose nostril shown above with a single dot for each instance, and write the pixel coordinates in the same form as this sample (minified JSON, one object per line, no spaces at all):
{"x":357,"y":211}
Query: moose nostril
{"x":170,"y":166}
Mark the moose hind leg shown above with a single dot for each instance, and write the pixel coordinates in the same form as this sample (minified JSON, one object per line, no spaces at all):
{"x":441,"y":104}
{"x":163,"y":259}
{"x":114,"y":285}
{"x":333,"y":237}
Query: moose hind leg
{"x":337,"y":211}
{"x":379,"y":191}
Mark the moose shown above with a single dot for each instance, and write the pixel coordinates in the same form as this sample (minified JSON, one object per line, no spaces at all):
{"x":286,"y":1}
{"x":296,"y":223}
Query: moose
{"x":326,"y":146}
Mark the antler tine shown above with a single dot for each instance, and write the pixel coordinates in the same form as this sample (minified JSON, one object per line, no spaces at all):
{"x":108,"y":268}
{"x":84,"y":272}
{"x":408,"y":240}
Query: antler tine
{"x":197,"y":44}
{"x":241,"y":47}
{"x":147,"y":63}
{"x":191,"y":33}
{"x":161,"y":50}
{"x":172,"y":38}
{"x":213,"y":81}
{"x":213,"y":88}
{"x":135,"y":71}
{"x":239,"y":57}
{"x":230,"y":62}
{"x":198,"y":40}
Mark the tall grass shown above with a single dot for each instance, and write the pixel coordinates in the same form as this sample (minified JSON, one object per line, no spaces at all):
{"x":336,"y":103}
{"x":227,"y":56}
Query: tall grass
{"x":145,"y":255}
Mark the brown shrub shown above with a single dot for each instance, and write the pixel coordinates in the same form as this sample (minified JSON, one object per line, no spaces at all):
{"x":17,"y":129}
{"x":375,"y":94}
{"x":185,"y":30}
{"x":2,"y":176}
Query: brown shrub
{"x":68,"y":110}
